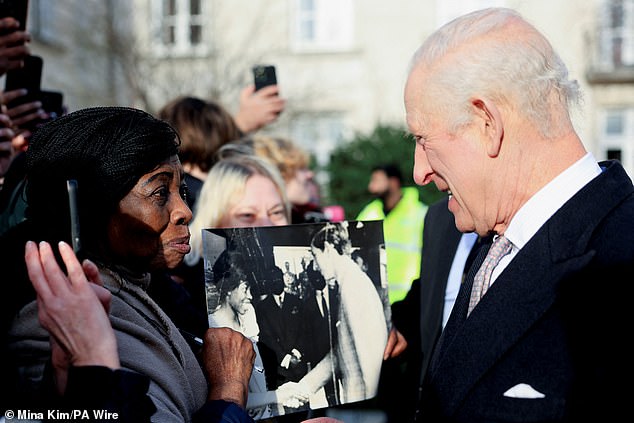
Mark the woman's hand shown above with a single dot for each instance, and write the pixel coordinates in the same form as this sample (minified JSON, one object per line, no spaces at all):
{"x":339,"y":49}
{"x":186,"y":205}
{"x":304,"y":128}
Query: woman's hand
{"x":72,"y":309}
{"x":228,"y":358}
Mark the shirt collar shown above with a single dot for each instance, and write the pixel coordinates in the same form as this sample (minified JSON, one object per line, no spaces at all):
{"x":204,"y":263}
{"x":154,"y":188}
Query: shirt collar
{"x":545,"y":202}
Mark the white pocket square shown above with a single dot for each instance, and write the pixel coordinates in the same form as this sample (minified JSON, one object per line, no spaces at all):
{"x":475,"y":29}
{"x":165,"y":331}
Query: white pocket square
{"x":523,"y":390}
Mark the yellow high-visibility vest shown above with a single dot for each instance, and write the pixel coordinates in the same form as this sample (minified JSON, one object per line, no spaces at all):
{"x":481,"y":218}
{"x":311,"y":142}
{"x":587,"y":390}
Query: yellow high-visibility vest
{"x":403,"y":233}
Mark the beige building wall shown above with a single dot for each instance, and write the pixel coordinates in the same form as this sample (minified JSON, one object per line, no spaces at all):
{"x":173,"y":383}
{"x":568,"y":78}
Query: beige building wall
{"x":97,"y":55}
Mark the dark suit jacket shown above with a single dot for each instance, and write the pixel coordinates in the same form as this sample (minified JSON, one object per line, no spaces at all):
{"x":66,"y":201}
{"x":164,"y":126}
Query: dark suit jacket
{"x":419,"y":315}
{"x":317,"y":333}
{"x":279,"y":334}
{"x":316,"y":329}
{"x":557,"y":318}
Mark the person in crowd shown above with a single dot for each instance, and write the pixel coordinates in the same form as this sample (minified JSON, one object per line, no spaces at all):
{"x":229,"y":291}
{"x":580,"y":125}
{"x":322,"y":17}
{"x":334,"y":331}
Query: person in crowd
{"x":292,"y":284}
{"x":13,"y":144}
{"x":293,"y":163}
{"x":536,"y":332}
{"x":403,"y":216}
{"x":203,"y":126}
{"x":134,"y":220}
{"x":358,"y":321}
{"x":280,"y":317}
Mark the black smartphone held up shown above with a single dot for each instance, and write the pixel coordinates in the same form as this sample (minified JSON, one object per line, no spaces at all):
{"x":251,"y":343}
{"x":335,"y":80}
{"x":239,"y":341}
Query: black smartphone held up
{"x":29,"y":76}
{"x":71,"y":186}
{"x":264,"y":75}
{"x":52,"y":103}
{"x":17,"y":9}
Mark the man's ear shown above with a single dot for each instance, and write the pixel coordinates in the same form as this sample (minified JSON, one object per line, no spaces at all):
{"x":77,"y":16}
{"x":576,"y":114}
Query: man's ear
{"x":491,"y":125}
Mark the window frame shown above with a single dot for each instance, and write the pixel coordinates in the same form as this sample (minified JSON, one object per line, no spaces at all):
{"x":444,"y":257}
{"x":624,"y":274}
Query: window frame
{"x":182,"y":22}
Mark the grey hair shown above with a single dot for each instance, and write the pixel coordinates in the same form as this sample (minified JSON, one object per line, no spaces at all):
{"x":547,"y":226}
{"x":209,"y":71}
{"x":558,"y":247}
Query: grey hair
{"x":474,"y":55}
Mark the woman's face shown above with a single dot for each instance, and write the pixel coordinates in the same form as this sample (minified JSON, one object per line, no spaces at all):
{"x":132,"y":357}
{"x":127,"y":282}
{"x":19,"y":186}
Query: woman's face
{"x":239,"y":298}
{"x":260,"y":205}
{"x":149,"y":230}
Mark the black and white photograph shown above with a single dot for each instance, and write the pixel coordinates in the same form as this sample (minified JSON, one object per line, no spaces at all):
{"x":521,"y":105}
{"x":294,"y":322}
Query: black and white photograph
{"x":313,"y":300}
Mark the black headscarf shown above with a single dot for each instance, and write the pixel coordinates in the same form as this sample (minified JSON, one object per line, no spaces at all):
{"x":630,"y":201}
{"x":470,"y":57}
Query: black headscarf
{"x":106,"y":150}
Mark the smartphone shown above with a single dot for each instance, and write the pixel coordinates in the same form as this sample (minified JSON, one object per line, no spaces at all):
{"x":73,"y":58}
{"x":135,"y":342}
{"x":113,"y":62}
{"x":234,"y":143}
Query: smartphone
{"x":52,"y":103}
{"x":17,"y":9}
{"x":29,"y":76}
{"x":264,"y":75}
{"x":71,"y":186}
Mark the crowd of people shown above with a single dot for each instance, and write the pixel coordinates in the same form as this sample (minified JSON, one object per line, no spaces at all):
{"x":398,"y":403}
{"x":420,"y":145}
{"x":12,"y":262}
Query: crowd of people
{"x":516,"y":313}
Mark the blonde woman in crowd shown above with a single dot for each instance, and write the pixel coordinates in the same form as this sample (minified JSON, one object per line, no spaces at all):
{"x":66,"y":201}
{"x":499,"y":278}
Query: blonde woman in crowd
{"x":293,"y":163}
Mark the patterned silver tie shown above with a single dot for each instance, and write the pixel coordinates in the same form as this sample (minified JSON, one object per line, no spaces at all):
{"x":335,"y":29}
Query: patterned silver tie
{"x":482,"y":280}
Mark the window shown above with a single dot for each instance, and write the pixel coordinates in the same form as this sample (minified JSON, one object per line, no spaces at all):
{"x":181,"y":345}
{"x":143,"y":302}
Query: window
{"x":617,"y":132}
{"x":41,"y":19}
{"x":617,"y":33}
{"x":322,"y":25}
{"x":614,"y":155}
{"x":178,"y":27}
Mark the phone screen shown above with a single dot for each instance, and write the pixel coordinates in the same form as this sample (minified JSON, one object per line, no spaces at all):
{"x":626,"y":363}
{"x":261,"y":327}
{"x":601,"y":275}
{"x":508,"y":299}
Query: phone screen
{"x":17,"y":9}
{"x":29,"y":76}
{"x":264,"y":75}
{"x":52,"y":103}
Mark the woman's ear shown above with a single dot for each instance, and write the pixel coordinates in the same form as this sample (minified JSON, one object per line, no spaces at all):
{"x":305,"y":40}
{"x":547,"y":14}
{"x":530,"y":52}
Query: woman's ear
{"x":490,"y":124}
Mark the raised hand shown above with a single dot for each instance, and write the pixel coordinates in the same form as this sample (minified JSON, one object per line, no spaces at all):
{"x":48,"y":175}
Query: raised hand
{"x":72,"y":309}
{"x":258,"y":108}
{"x":13,"y":47}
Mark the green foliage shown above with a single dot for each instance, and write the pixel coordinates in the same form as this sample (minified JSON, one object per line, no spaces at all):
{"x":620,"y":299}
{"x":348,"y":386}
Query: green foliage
{"x":351,"y":164}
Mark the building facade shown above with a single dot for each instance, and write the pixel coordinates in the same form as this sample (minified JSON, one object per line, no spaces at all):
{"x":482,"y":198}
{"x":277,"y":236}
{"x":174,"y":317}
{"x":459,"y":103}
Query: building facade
{"x":341,"y":64}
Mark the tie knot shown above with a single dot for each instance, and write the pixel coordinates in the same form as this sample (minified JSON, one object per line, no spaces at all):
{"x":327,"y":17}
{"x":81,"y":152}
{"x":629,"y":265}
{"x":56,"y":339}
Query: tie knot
{"x":500,"y":247}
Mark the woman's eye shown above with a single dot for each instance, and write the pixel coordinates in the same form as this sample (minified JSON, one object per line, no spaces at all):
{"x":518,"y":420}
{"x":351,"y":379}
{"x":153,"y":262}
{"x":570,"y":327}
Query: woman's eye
{"x":161,"y":193}
{"x":246,"y":217}
{"x":276,"y":215}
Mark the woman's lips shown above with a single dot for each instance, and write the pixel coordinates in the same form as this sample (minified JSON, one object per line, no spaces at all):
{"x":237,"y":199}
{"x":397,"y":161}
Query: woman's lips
{"x":181,"y":245}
